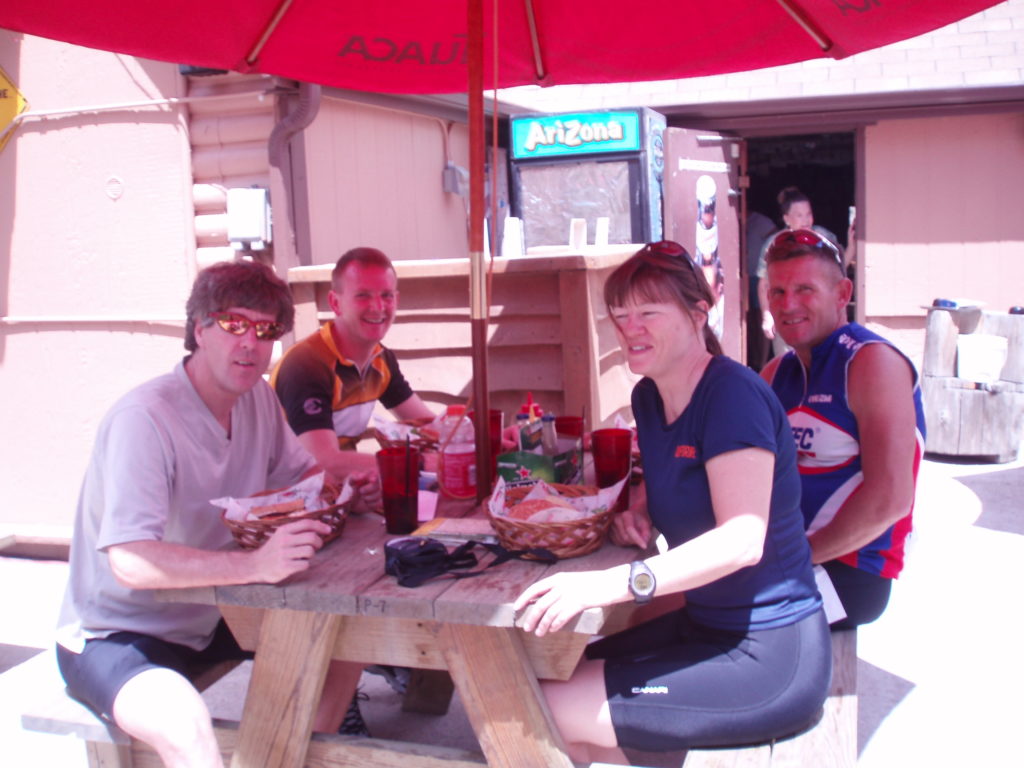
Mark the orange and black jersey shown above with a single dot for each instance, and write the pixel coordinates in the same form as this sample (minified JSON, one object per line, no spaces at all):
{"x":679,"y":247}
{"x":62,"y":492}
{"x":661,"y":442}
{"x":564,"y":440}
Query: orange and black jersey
{"x":321,"y":389}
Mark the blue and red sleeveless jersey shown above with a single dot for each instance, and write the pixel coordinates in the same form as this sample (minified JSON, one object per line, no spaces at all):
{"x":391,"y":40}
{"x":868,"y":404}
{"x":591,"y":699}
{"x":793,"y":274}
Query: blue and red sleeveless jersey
{"x":828,"y":441}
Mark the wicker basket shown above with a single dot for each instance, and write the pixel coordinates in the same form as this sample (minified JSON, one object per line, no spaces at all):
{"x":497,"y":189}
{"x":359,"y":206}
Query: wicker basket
{"x":572,"y":538}
{"x":250,"y":534}
{"x":423,"y":442}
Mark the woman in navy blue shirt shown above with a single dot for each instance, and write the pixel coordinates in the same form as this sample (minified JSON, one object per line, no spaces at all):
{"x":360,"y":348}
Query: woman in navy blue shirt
{"x":748,"y":658}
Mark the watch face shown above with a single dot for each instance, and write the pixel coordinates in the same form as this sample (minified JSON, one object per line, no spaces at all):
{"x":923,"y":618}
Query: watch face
{"x":643,"y":582}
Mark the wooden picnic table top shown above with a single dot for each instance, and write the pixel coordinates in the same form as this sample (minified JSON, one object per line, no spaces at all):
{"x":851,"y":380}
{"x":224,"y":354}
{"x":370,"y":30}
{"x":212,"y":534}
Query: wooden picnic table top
{"x":347,"y":578}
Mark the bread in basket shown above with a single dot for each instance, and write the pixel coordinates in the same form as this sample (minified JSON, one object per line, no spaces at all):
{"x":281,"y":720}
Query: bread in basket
{"x":563,"y":538}
{"x":254,"y":519}
{"x":418,"y":432}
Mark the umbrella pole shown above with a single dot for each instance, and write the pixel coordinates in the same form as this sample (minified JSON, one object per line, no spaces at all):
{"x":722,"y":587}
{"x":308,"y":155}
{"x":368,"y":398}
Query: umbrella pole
{"x":478,"y":302}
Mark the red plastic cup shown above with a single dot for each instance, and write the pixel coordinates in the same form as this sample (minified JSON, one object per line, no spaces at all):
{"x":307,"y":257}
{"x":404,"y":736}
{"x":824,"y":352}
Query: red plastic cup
{"x":612,"y":450}
{"x":569,"y":425}
{"x":399,"y":470}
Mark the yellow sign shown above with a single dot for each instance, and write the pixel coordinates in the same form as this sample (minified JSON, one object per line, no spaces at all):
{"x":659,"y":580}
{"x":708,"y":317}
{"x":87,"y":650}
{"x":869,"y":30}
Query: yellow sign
{"x":12,"y":104}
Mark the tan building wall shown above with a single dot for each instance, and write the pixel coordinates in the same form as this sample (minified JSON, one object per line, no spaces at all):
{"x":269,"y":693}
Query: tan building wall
{"x":942,"y":219}
{"x":374,"y":178}
{"x":96,"y":257}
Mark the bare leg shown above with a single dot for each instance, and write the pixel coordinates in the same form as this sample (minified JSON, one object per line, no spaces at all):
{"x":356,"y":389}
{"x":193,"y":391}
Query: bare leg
{"x":163,"y":709}
{"x":580,"y":709}
{"x":339,"y":688}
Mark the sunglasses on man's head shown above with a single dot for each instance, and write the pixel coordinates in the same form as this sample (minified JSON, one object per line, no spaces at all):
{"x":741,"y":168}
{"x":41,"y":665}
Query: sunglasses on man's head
{"x":806,"y":240}
{"x":237,"y":325}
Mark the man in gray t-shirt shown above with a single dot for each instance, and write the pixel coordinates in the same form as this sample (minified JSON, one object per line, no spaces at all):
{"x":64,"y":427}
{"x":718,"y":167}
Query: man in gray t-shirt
{"x":210,"y":428}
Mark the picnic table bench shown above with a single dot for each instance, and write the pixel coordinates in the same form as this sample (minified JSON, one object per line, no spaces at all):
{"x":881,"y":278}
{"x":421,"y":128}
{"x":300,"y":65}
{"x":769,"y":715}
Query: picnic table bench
{"x":345,"y":607}
{"x":832,"y":742}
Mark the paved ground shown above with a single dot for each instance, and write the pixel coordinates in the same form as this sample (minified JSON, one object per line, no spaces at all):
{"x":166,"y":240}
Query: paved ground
{"x":940,"y":676}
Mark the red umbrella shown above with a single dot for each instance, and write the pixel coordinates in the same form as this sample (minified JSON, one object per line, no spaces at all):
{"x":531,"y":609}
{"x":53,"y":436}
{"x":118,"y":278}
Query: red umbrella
{"x":412,"y":46}
{"x":421,"y":47}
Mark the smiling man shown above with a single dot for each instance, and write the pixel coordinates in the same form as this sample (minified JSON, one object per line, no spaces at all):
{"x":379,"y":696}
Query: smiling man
{"x":854,"y":403}
{"x":210,"y":428}
{"x":330,"y":381}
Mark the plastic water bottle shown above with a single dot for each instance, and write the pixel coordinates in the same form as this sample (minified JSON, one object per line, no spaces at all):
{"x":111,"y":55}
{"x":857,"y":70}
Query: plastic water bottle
{"x":457,"y":470}
{"x":548,"y":438}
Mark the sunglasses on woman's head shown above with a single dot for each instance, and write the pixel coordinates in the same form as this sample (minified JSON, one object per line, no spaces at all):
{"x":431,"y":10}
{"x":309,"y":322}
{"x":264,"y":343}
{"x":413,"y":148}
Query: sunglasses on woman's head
{"x":238,"y":325}
{"x":672,"y":250}
{"x":807,"y":241}
{"x":668,"y":248}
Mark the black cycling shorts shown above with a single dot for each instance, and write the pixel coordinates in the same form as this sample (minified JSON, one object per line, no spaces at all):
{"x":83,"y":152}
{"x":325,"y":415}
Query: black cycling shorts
{"x":673,"y":684}
{"x":864,"y":595}
{"x":95,"y":675}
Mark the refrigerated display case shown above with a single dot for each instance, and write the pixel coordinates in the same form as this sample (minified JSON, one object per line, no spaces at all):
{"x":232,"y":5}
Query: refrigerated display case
{"x":592,"y":166}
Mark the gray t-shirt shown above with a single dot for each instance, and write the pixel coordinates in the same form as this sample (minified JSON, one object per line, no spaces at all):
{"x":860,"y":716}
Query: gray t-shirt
{"x":160,"y":456}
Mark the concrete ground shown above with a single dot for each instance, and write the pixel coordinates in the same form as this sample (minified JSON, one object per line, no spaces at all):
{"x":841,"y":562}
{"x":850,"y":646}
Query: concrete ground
{"x":940,"y":681}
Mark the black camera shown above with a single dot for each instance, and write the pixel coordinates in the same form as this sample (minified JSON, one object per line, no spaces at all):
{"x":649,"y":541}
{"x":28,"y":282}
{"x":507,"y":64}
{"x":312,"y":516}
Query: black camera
{"x":401,"y":555}
{"x":414,"y":559}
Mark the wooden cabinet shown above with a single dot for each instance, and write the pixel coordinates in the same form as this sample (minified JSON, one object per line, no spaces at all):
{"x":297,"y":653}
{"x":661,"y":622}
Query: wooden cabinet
{"x":548,"y":331}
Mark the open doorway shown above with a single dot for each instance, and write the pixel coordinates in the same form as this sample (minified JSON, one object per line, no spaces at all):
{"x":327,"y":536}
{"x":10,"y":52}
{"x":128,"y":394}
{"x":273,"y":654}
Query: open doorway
{"x":821,"y":165}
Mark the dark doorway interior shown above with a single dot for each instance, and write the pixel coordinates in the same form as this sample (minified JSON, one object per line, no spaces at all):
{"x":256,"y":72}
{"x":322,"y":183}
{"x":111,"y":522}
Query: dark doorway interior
{"x":822,"y":166}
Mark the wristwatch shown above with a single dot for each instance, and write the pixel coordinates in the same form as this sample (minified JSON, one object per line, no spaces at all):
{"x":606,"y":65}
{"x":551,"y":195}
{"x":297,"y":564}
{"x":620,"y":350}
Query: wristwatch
{"x":641,"y":582}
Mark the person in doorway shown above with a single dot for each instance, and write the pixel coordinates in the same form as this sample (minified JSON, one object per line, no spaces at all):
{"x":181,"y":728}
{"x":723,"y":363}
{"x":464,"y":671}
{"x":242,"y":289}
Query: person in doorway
{"x":210,"y":428}
{"x":330,"y":381}
{"x":712,"y":433}
{"x":854,"y":402}
{"x":759,"y":227}
{"x":796,"y":212}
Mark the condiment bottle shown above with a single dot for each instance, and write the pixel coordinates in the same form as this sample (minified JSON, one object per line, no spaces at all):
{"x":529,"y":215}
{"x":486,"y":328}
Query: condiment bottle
{"x":548,"y":438}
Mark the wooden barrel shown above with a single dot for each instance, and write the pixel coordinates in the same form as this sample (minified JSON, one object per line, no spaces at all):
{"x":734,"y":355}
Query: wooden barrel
{"x":939,"y":344}
{"x":966,"y":419}
{"x":1011,"y":327}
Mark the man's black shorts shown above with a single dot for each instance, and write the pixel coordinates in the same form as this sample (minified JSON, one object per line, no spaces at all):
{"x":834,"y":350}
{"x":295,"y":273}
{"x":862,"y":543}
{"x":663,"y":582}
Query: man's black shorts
{"x":95,"y":675}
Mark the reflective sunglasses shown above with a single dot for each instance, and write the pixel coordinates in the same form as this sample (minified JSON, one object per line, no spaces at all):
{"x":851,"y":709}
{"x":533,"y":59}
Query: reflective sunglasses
{"x":808,"y":241}
{"x":237,"y":325}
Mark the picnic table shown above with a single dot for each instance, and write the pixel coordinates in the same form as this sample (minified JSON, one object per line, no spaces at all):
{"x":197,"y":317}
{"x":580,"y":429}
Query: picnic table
{"x":345,"y":607}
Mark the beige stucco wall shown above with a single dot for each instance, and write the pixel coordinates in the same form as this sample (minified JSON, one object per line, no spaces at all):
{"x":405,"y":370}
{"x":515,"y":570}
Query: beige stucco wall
{"x":942,"y":217}
{"x":77,"y":264}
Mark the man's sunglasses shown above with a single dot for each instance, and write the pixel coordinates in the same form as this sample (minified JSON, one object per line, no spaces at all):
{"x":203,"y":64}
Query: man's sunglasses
{"x":237,"y":325}
{"x":806,"y":241}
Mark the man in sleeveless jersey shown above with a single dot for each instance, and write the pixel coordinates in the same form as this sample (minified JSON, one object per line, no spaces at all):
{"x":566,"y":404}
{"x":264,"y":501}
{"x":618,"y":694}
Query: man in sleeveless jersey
{"x":330,"y":381}
{"x":854,"y":404}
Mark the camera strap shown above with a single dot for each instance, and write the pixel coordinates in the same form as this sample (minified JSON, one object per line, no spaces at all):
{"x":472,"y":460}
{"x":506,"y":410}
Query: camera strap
{"x":426,"y":559}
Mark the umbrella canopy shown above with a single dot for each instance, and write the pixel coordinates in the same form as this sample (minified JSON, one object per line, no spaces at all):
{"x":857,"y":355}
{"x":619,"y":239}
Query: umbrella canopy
{"x":403,"y":46}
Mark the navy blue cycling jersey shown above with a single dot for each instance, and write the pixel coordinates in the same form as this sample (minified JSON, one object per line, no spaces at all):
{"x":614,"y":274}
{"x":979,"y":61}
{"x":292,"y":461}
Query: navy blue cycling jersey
{"x":731,"y":409}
